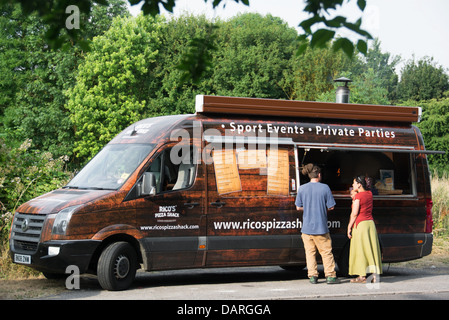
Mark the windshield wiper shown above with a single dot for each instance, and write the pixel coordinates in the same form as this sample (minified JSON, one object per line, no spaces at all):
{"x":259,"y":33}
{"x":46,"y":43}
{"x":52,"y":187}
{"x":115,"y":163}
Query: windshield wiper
{"x":87,"y":188}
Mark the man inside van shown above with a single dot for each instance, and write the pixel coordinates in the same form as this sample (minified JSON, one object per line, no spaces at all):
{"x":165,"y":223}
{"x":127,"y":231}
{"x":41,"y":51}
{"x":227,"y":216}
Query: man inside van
{"x":315,"y":199}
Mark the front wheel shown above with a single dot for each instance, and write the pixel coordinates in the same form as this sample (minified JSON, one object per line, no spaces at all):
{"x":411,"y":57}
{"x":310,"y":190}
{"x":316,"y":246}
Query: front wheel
{"x":117,"y":266}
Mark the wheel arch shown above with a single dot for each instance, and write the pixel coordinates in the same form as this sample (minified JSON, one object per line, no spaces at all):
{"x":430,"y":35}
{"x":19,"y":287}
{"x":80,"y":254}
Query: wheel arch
{"x":124,"y":235}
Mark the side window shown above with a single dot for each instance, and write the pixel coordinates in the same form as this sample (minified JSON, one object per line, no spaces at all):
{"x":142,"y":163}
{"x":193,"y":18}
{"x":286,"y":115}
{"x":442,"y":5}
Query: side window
{"x":174,"y":169}
{"x":392,"y":173}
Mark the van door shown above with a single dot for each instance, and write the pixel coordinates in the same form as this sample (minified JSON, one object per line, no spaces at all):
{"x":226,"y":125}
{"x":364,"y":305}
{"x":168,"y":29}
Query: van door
{"x":251,"y":216}
{"x":172,"y":220}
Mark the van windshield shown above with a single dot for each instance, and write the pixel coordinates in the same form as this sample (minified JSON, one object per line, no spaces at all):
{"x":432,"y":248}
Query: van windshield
{"x":111,"y":167}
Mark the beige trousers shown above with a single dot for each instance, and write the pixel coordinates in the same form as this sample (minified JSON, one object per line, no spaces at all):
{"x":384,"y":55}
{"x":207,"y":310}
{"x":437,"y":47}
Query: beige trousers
{"x":323,"y":243}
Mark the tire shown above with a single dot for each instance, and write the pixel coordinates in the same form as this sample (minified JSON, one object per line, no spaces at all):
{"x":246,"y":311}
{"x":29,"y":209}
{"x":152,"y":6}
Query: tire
{"x":293,"y":268}
{"x":117,"y":266}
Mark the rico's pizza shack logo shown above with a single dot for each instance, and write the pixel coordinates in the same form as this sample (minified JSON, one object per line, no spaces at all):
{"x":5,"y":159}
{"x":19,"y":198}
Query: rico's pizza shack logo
{"x":167,"y":213}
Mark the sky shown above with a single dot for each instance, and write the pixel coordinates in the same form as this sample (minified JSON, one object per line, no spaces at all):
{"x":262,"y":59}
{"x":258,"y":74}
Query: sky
{"x":409,"y":28}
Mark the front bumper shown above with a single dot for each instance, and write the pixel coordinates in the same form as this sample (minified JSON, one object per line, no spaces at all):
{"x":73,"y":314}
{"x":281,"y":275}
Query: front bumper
{"x":71,"y":252}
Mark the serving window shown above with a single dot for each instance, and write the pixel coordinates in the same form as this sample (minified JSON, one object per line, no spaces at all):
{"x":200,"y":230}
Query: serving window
{"x":247,"y":171}
{"x":392,"y":172}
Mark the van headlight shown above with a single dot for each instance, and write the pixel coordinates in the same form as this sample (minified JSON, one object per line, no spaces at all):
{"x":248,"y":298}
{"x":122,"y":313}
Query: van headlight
{"x":62,"y":220}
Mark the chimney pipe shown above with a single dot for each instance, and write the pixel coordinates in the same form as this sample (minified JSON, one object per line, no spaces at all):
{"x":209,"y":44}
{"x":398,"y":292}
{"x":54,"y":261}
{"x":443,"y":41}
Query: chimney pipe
{"x":342,"y":93}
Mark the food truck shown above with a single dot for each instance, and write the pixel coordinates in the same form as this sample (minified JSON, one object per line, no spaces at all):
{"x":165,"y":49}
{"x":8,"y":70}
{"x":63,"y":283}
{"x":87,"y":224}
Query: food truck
{"x":217,"y":189}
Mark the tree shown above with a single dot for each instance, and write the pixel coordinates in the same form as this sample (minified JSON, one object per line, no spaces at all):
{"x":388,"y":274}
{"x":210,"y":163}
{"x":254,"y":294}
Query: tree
{"x":35,"y":77}
{"x":112,"y":83}
{"x":365,"y":89}
{"x":195,"y":63}
{"x":11,"y":55}
{"x":434,"y":126}
{"x":383,"y":65}
{"x":422,"y":80}
{"x":170,"y":94}
{"x":312,"y":73}
{"x":252,"y":54}
{"x":369,"y":89}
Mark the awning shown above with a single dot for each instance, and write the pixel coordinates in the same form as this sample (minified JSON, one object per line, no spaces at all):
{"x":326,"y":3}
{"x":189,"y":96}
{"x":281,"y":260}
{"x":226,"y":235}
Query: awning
{"x":321,"y":146}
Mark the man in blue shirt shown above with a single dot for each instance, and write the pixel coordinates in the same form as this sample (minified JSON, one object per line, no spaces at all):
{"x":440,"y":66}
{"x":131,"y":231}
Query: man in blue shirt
{"x":315,"y":199}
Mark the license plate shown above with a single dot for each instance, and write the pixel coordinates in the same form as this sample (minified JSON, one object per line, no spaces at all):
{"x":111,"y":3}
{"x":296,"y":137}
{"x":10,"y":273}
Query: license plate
{"x":22,"y":258}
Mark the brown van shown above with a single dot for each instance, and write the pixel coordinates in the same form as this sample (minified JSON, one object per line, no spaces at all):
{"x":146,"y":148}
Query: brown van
{"x":217,"y":189}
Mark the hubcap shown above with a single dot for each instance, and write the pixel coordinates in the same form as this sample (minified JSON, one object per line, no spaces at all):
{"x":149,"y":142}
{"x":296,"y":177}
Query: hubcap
{"x":121,"y":269}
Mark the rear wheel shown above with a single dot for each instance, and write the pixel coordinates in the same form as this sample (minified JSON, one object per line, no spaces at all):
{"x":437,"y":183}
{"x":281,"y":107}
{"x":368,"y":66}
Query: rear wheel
{"x":293,"y":268}
{"x":117,"y":266}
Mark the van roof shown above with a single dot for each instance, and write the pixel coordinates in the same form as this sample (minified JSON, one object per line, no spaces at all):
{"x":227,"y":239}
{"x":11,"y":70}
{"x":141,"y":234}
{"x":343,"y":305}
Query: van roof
{"x":304,"y":109}
{"x":150,"y":130}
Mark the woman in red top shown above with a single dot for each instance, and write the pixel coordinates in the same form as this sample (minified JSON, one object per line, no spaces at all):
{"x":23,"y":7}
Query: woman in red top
{"x":364,"y":253}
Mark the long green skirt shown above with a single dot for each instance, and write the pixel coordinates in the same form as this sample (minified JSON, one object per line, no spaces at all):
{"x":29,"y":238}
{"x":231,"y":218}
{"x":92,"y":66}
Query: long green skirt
{"x":364,"y":253}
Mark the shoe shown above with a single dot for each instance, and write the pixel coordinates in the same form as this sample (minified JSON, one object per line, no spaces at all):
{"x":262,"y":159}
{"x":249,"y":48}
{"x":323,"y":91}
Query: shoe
{"x":331,"y":280}
{"x":358,"y":280}
{"x":313,"y":280}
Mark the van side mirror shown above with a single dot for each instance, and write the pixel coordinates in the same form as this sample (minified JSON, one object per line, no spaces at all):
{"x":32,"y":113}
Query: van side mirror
{"x":148,"y":184}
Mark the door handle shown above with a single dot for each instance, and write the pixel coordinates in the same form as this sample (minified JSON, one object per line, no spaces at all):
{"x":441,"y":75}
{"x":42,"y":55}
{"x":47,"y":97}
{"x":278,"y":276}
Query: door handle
{"x":218,"y":204}
{"x":191,"y":205}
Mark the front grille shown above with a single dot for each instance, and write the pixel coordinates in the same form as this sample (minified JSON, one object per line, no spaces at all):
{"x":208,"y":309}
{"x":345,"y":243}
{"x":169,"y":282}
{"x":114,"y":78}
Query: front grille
{"x":26,"y":231}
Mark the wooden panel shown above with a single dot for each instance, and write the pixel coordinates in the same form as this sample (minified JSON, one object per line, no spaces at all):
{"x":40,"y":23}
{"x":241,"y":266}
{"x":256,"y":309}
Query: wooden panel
{"x":307,"y":109}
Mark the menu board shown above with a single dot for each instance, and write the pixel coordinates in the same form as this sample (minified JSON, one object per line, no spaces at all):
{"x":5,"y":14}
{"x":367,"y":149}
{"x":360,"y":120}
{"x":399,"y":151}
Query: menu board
{"x":252,"y":159}
{"x":226,"y":171}
{"x":278,"y":173}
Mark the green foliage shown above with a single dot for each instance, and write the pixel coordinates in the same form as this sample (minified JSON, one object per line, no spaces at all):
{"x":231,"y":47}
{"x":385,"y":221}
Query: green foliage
{"x":171,"y":93}
{"x":198,"y":58}
{"x":253,"y":54}
{"x":374,"y":78}
{"x":321,"y":38}
{"x":53,"y":15}
{"x":435,"y":129}
{"x":35,"y":77}
{"x":311,"y":74}
{"x":26,"y":174}
{"x":383,"y":65}
{"x":112,"y":83}
{"x":422,"y":80}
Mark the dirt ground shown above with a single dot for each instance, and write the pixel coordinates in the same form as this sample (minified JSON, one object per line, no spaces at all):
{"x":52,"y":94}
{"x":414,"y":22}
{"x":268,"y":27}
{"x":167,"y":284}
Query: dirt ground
{"x":38,"y":287}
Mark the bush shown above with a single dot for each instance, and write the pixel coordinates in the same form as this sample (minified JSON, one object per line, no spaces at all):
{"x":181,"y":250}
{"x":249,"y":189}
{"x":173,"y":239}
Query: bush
{"x":25,"y":174}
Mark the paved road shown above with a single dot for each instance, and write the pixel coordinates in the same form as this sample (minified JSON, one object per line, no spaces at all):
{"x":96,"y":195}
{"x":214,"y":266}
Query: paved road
{"x":267,"y":283}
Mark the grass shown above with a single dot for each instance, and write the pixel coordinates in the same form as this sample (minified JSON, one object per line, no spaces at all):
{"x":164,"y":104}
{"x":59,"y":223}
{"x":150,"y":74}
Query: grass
{"x":29,"y":288}
{"x":440,"y":210}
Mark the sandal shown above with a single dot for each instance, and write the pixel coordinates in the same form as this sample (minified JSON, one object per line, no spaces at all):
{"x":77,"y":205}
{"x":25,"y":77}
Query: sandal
{"x":358,"y":280}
